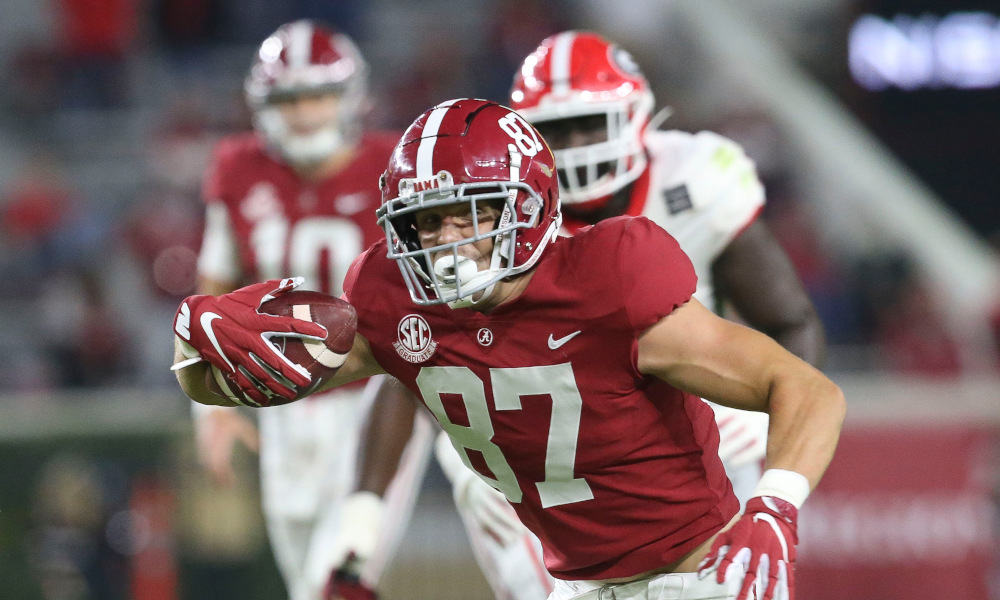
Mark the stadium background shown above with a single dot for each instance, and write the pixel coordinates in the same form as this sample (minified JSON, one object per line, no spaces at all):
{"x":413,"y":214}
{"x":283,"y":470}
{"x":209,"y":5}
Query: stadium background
{"x":874,"y":125}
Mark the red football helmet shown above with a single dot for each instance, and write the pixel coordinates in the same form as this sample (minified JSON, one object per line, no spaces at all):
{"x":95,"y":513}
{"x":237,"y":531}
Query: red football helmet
{"x":578,"y":74}
{"x":304,"y":57}
{"x":469,"y":151}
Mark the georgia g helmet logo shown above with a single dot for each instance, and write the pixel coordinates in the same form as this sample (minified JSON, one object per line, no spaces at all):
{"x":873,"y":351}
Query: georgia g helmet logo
{"x":622,"y":59}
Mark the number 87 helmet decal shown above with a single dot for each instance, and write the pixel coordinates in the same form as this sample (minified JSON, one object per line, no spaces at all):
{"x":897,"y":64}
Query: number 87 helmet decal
{"x":469,"y":153}
{"x":578,"y":74}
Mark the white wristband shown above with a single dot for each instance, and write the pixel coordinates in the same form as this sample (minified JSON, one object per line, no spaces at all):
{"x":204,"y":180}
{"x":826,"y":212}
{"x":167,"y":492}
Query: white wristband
{"x":790,"y":486}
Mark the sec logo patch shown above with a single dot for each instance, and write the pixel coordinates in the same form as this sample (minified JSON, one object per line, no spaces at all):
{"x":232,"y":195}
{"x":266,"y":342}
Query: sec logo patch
{"x":414,"y":341}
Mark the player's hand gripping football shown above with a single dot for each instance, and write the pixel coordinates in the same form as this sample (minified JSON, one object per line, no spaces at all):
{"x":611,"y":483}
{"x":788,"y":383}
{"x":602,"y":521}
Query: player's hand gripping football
{"x":232,"y":334}
{"x":758,"y":552}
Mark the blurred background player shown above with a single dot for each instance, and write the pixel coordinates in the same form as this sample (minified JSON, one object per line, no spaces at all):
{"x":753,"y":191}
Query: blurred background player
{"x":297,"y":197}
{"x":592,"y":104}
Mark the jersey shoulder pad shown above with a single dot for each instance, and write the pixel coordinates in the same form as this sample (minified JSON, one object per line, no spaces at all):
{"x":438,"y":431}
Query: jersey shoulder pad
{"x":716,"y":171}
{"x":232,"y":157}
{"x":714,"y":154}
{"x":652,"y":275}
{"x":233,"y":149}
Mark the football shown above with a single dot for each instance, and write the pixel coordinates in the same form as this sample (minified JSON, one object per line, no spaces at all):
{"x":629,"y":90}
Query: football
{"x":321,"y":358}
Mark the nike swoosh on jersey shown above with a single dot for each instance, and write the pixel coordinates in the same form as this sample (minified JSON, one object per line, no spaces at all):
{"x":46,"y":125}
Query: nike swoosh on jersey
{"x":555,"y":344}
{"x":206,"y":324}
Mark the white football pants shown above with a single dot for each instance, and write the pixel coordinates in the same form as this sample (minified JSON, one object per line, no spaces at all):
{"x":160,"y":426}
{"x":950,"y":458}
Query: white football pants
{"x":671,"y":586}
{"x":516,"y":572}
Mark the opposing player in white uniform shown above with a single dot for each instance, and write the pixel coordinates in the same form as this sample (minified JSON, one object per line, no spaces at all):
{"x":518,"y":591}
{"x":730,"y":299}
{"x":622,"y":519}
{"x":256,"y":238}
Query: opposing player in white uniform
{"x":298,"y":198}
{"x":592,"y":104}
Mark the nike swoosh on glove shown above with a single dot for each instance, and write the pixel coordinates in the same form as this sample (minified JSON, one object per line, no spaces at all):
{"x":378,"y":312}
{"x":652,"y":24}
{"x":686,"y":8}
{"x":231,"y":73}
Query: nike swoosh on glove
{"x":758,"y":552}
{"x":231,"y":333}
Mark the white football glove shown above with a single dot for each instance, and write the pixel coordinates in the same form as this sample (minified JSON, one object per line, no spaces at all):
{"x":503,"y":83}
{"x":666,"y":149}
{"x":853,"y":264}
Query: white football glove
{"x":487,"y":506}
{"x":742,"y":435}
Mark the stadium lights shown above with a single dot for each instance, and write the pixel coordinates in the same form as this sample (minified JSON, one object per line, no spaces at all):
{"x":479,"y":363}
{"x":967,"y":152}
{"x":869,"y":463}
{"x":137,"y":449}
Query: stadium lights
{"x":960,"y":50}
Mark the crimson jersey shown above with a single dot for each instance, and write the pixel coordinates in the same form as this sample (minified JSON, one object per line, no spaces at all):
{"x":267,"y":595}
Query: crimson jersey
{"x":617,"y":473}
{"x":282,"y":225}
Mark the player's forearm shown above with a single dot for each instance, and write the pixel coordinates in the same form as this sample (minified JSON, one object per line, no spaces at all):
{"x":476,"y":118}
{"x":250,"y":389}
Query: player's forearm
{"x":807,"y":411}
{"x":384,"y":437}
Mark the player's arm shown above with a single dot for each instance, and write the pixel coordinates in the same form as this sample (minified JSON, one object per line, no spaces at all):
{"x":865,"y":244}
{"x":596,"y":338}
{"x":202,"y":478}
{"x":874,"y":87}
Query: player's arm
{"x":755,"y":274}
{"x":697,"y":351}
{"x":383,"y":438}
{"x":384,"y":435}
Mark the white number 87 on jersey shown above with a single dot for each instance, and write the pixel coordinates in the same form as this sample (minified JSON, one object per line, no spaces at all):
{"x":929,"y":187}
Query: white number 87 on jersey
{"x":555,"y":381}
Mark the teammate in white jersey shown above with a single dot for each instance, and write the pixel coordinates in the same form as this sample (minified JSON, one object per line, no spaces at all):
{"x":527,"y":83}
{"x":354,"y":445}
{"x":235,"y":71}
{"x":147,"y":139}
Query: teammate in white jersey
{"x":298,"y":197}
{"x":592,"y":104}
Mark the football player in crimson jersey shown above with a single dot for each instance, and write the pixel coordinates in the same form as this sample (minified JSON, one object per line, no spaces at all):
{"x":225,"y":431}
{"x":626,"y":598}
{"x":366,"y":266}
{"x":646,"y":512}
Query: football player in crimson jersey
{"x":297,"y":197}
{"x":568,"y":372}
{"x":592,"y":104}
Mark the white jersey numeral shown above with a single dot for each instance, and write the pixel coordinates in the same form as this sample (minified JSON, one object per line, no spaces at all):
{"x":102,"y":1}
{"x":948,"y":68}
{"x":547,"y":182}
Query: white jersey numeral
{"x":556,"y":381}
{"x":305,"y":243}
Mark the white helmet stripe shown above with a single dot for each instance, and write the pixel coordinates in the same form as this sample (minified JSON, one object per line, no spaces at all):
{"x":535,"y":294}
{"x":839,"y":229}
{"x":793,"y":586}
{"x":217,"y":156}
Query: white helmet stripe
{"x":300,"y":43}
{"x":562,"y":51}
{"x":425,"y":152}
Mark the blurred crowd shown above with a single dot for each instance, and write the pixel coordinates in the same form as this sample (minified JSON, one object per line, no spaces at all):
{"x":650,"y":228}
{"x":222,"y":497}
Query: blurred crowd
{"x":115,"y":113}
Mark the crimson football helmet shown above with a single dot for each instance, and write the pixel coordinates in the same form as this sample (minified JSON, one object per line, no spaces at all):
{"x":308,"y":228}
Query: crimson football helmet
{"x":467,"y":151}
{"x":304,"y":57}
{"x":578,"y":74}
